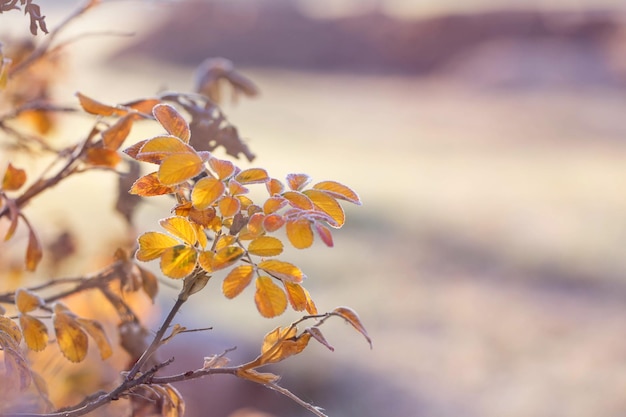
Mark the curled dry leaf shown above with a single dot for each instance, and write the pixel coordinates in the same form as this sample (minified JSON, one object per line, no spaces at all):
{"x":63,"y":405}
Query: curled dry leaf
{"x":351,"y":317}
{"x":316,"y":334}
{"x":34,"y":251}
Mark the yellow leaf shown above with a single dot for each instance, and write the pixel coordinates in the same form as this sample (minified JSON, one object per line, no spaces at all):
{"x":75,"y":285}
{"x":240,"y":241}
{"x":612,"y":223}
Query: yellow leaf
{"x":178,"y":261}
{"x":252,"y":176}
{"x":296,"y":295}
{"x":114,"y":136}
{"x":95,"y":107}
{"x":328,"y":205}
{"x":298,"y":200}
{"x":173,"y":122}
{"x":34,"y":251}
{"x":273,"y":222}
{"x":222,"y":168}
{"x":255,"y":224}
{"x":270,"y":299}
{"x":274,"y":187}
{"x":205,"y":260}
{"x":181,"y":228}
{"x":234,"y":188}
{"x":339,"y":191}
{"x":34,"y":331}
{"x":282,"y":270}
{"x":96,"y":331}
{"x":153,"y":244}
{"x":351,"y":317}
{"x":281,"y":343}
{"x":229,"y":206}
{"x":149,"y":185}
{"x":103,"y":157}
{"x":9,"y":327}
{"x":13,"y":179}
{"x":72,"y":340}
{"x":27,"y":301}
{"x":299,"y":233}
{"x":311,"y":308}
{"x":178,"y":168}
{"x":224,"y":241}
{"x":203,"y":241}
{"x":258,"y":377}
{"x":273,"y":204}
{"x":237,"y":280}
{"x":155,"y":150}
{"x":265,"y":246}
{"x":297,"y":182}
{"x":225,"y":257}
{"x":206,"y":192}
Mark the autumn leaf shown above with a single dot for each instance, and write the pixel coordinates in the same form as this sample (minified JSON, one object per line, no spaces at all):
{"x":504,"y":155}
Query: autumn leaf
{"x":102,"y":157}
{"x":178,"y":261}
{"x":281,"y":343}
{"x":173,"y":122}
{"x":155,"y":150}
{"x":34,"y":251}
{"x":273,"y":204}
{"x":144,"y":106}
{"x":116,"y":134}
{"x":225,"y":257}
{"x":282,"y":270}
{"x":229,"y":206}
{"x":149,"y":283}
{"x":252,"y":176}
{"x":13,"y":179}
{"x":10,"y":328}
{"x":265,"y":246}
{"x":258,"y":377}
{"x":316,"y":334}
{"x":149,"y":185}
{"x":222,"y":168}
{"x":351,"y":317}
{"x":337,"y":190}
{"x":298,"y":200}
{"x":96,"y":331}
{"x":328,"y":205}
{"x":296,"y":295}
{"x":206,"y":192}
{"x":181,"y":228}
{"x":299,"y":233}
{"x":237,"y":280}
{"x":296,"y":182}
{"x":153,"y":244}
{"x":71,"y":338}
{"x":270,"y":299}
{"x":180,"y":167}
{"x":35,"y":332}
{"x":27,"y":301}
{"x":273,"y":222}
{"x":324,"y":233}
{"x":95,"y":107}
{"x":274,"y":187}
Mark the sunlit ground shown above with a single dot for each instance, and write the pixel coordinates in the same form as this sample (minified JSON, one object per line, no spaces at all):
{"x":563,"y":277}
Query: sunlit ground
{"x":486,"y":262}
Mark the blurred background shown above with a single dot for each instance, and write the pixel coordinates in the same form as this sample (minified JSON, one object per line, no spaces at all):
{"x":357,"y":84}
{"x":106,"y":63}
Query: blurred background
{"x":487,"y":140}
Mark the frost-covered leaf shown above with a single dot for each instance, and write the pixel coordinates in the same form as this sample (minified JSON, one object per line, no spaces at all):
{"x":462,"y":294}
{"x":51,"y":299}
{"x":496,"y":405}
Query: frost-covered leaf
{"x":339,"y":191}
{"x":328,"y":205}
{"x":299,"y":233}
{"x":180,"y":167}
{"x":27,"y":301}
{"x":282,"y":270}
{"x":173,"y":122}
{"x":153,"y":244}
{"x":178,"y":261}
{"x":206,"y":192}
{"x":252,"y":176}
{"x":149,"y":185}
{"x":265,"y":246}
{"x":181,"y":228}
{"x":297,"y":182}
{"x":237,"y":280}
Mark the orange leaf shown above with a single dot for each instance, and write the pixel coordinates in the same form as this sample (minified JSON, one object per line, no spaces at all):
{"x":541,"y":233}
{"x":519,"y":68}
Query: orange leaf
{"x":134,"y":150}
{"x":27,"y":301}
{"x":34,"y":331}
{"x":34,"y":251}
{"x":114,"y":136}
{"x":178,"y":168}
{"x":265,"y":246}
{"x":206,"y":192}
{"x":149,"y":283}
{"x":311,"y":308}
{"x":299,"y":233}
{"x":237,"y":280}
{"x":149,"y":185}
{"x":96,"y":331}
{"x":229,"y":206}
{"x":9,"y":327}
{"x":181,"y":228}
{"x":298,"y":200}
{"x":224,"y":241}
{"x":155,"y":150}
{"x":296,"y":295}
{"x":225,"y":257}
{"x":153,"y":244}
{"x":281,"y":343}
{"x":252,"y":176}
{"x":172,"y":121}
{"x":95,"y":107}
{"x":258,"y":377}
{"x":178,"y":261}
{"x":103,"y":157}
{"x":337,"y":190}
{"x":297,"y":181}
{"x":273,"y":204}
{"x":274,"y":186}
{"x":273,"y":222}
{"x":324,"y":233}
{"x":144,"y":106}
{"x":13,"y":179}
{"x":282,"y":270}
{"x":222,"y":168}
{"x":328,"y":205}
{"x":270,"y":299}
{"x":72,"y":340}
{"x":351,"y":317}
{"x":234,"y":188}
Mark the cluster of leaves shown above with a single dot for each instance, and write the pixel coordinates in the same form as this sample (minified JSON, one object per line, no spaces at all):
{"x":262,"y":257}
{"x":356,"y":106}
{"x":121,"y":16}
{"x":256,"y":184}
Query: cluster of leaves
{"x":214,"y":227}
